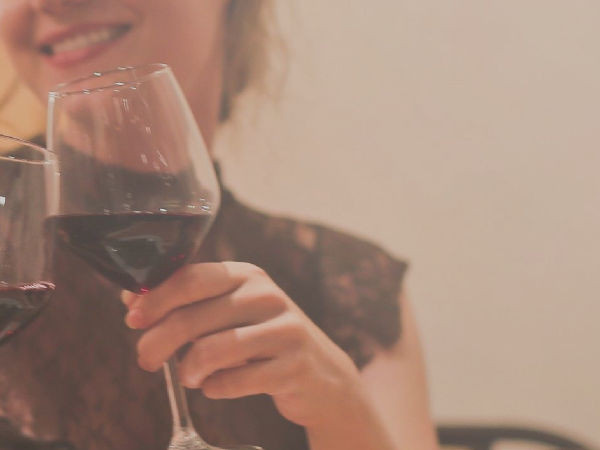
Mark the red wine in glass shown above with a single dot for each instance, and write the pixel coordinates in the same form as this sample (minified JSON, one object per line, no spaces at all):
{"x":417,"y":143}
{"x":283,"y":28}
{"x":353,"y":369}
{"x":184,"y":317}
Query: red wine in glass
{"x":20,"y":304}
{"x":138,"y":188}
{"x":136,"y":251}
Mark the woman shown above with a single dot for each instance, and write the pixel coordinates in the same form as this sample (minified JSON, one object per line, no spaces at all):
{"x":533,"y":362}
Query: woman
{"x":305,"y":330}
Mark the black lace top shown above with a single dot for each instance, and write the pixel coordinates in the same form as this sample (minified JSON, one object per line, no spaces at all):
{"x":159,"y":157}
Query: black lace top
{"x":72,"y":374}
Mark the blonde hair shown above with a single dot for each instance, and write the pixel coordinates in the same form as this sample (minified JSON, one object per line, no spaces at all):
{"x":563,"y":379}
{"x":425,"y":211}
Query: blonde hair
{"x":251,"y":37}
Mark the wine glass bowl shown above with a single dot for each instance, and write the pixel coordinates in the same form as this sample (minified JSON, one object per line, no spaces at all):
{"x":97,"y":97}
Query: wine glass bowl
{"x":138,"y":187}
{"x":27,"y":196}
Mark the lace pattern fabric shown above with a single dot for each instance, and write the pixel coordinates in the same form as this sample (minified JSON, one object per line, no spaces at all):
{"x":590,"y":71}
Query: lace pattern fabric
{"x":72,"y":374}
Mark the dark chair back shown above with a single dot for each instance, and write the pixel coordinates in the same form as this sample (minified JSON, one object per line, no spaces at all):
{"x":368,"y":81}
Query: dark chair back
{"x":484,"y":437}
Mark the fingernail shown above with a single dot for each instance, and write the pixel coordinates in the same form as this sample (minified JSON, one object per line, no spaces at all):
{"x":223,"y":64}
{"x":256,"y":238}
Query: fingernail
{"x":135,"y":319}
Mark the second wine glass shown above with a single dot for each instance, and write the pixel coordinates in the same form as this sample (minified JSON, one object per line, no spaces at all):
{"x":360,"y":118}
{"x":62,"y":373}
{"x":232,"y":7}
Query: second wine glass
{"x":27,"y":197}
{"x":138,"y":187}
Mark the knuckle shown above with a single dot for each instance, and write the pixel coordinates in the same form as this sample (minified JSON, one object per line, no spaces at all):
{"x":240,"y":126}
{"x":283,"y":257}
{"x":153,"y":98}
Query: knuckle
{"x":268,"y":297}
{"x":253,"y":271}
{"x":274,"y":297}
{"x":295,"y":330}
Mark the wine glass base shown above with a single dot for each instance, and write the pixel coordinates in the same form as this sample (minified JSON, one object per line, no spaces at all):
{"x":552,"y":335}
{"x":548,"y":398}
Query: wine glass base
{"x":191,"y":441}
{"x":203,"y":446}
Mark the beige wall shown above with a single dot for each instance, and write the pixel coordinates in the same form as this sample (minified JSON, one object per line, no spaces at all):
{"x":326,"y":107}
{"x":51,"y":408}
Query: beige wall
{"x":464,"y":136}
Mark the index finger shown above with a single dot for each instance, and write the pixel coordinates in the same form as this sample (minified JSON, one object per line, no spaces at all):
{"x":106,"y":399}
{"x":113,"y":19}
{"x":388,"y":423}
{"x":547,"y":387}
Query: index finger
{"x":192,"y":283}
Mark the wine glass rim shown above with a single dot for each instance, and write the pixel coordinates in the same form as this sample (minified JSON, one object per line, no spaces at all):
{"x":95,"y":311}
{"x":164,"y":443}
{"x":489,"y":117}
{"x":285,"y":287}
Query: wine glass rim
{"x":48,"y":155}
{"x":68,"y":87}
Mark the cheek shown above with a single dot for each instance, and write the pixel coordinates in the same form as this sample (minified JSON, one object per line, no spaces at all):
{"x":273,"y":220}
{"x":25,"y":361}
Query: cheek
{"x":191,"y":29}
{"x":16,"y":28}
{"x":16,"y":32}
{"x":195,"y":44}
{"x":187,"y":38}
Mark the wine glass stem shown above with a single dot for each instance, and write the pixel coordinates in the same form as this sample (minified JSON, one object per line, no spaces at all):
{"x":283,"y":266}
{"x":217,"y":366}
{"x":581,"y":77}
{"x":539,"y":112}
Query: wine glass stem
{"x":182,"y":423}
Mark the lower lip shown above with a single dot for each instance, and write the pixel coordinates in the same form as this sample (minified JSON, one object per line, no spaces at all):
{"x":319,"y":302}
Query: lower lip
{"x":71,"y":58}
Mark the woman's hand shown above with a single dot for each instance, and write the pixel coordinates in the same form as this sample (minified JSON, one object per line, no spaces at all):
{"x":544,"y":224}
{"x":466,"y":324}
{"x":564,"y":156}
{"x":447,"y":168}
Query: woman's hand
{"x":246,"y":337}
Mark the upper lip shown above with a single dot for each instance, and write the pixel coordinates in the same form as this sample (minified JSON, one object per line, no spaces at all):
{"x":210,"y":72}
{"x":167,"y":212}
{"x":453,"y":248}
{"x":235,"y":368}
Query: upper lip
{"x":59,"y":35}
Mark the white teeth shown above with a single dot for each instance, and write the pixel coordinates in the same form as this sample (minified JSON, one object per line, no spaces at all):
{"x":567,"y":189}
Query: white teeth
{"x":86,"y":40}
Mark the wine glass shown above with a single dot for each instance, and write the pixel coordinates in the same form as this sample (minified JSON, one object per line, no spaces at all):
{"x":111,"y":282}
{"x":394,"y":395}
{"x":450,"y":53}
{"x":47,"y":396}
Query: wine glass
{"x":27,"y":195}
{"x":138,"y":188}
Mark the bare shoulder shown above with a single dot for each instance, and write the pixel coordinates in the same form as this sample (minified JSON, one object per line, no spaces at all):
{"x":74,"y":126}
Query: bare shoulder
{"x":397,"y":383}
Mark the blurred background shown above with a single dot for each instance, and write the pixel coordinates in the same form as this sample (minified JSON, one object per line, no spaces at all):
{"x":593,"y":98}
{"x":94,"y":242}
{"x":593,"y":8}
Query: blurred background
{"x":462,"y":136}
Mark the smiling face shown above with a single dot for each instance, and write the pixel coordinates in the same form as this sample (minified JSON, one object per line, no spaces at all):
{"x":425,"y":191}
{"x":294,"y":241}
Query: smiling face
{"x":52,"y":41}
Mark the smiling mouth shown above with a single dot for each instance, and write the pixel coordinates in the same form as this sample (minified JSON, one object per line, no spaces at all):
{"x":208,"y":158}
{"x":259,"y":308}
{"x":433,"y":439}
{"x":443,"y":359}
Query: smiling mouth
{"x":85,"y":40}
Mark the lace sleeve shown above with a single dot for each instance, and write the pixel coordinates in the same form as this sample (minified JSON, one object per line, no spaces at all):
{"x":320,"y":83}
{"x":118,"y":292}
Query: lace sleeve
{"x":360,"y":286}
